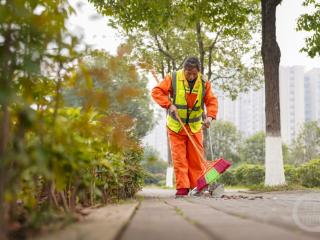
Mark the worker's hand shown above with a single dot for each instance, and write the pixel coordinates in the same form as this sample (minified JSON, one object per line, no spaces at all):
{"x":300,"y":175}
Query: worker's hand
{"x":173,"y":109}
{"x":207,"y":122}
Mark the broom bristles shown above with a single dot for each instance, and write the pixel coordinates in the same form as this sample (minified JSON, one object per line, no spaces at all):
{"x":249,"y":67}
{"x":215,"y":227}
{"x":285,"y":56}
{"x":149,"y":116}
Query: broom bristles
{"x":213,"y":173}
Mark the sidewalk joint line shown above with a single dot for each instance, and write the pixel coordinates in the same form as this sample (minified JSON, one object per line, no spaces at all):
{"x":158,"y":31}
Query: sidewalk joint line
{"x":198,"y":225}
{"x":127,"y":223}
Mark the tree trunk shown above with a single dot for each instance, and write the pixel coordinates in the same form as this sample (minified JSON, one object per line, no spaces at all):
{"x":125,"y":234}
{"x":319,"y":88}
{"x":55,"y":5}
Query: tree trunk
{"x":200,"y":46}
{"x":271,"y":60}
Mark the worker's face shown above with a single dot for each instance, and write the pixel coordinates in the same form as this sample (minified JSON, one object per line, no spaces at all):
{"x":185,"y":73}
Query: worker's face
{"x":191,"y":73}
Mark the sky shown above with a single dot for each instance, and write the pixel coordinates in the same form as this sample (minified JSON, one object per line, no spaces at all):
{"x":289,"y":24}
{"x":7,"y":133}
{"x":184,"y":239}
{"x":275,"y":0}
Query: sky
{"x":289,"y":40}
{"x":95,"y":31}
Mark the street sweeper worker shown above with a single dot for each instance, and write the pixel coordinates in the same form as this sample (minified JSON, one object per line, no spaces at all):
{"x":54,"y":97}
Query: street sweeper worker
{"x":185,"y":93}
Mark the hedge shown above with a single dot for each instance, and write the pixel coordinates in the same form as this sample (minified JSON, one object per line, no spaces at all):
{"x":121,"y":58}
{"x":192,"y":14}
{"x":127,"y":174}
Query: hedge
{"x":307,"y":174}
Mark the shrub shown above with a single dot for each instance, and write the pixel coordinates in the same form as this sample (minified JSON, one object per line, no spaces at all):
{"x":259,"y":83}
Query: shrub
{"x":248,"y":174}
{"x":291,"y":174}
{"x":119,"y":176}
{"x":309,"y":173}
{"x":228,"y":178}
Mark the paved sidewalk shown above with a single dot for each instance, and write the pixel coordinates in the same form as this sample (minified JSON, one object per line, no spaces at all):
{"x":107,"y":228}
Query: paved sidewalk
{"x":280,"y":215}
{"x":293,"y":215}
{"x":104,"y":223}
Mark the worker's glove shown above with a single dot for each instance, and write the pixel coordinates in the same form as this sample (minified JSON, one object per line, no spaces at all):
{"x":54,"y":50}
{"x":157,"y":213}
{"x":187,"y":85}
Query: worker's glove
{"x":173,"y":109}
{"x":207,"y":122}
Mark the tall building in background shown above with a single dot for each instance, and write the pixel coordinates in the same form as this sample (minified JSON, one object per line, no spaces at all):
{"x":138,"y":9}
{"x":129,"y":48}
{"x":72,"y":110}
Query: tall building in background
{"x":291,"y":101}
{"x":228,"y":109}
{"x":246,"y":112}
{"x":312,"y":95}
{"x":251,"y":112}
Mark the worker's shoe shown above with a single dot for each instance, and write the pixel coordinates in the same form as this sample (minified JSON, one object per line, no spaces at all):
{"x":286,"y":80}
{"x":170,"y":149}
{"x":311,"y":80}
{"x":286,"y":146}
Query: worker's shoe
{"x":182,"y":192}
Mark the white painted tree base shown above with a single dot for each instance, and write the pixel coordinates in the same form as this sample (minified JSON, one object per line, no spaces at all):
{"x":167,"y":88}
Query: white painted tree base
{"x":274,"y":162}
{"x":169,"y":177}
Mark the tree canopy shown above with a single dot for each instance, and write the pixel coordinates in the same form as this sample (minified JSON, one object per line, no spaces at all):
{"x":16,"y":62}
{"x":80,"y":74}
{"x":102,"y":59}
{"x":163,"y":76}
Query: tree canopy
{"x":221,"y":34}
{"x":310,"y":22}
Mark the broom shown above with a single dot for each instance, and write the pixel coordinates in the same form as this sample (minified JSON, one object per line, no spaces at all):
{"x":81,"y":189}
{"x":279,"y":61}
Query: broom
{"x":213,"y":170}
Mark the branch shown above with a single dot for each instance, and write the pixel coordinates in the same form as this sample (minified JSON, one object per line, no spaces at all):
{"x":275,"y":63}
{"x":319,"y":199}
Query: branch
{"x":164,"y":52}
{"x":168,"y":50}
{"x":212,"y":45}
{"x":181,"y":64}
{"x":224,"y":77}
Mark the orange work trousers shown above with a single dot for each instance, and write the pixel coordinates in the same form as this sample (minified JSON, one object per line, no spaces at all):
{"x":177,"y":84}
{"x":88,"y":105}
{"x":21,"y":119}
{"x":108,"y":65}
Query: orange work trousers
{"x":187,"y":163}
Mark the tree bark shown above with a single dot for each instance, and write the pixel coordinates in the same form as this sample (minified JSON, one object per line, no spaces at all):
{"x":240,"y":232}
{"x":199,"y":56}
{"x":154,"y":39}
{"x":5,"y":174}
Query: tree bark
{"x":200,"y":46}
{"x":271,"y":54}
{"x":271,"y":60}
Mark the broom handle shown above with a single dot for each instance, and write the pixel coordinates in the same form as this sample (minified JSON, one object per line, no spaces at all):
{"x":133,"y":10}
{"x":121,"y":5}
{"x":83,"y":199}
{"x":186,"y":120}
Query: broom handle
{"x":193,"y":142}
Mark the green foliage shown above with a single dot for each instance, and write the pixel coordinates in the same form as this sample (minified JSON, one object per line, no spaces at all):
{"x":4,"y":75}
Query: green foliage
{"x":306,"y":145}
{"x":112,"y":82}
{"x":291,"y":174}
{"x":228,"y":178}
{"x":119,"y":176}
{"x":243,"y":174}
{"x":58,"y":152}
{"x":226,"y":141}
{"x":309,"y":22}
{"x":285,"y":187}
{"x":248,"y":174}
{"x":309,"y":173}
{"x":253,"y":149}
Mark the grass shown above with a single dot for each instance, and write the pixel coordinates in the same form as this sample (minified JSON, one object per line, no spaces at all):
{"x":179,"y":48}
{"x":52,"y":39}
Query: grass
{"x":262,"y":188}
{"x":236,"y":187}
{"x":289,"y":187}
